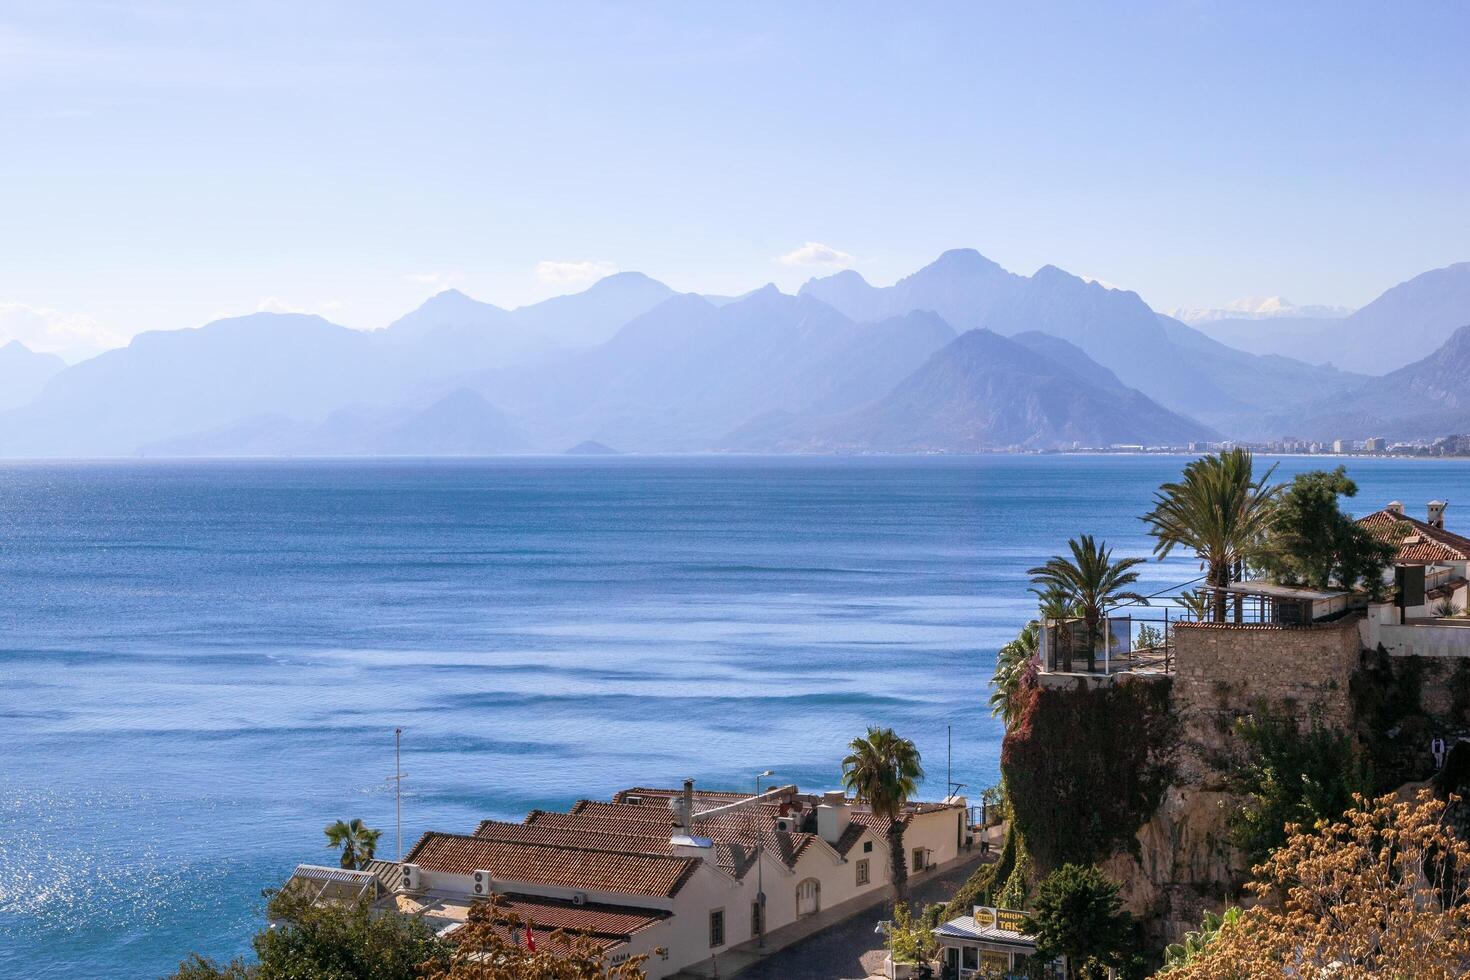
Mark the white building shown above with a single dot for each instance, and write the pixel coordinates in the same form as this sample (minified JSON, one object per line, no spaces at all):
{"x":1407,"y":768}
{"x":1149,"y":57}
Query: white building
{"x":676,"y":875}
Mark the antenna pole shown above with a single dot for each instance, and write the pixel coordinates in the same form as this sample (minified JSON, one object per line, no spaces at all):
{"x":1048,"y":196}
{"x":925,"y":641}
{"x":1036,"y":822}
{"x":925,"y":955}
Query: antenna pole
{"x":948,"y":758}
{"x":398,"y":785}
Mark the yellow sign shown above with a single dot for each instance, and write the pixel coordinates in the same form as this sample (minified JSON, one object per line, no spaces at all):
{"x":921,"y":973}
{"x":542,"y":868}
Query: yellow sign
{"x":984,"y":917}
{"x":1010,"y":920}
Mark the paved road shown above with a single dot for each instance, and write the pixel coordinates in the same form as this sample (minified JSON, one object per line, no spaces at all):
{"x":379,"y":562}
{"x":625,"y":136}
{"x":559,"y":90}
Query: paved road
{"x":835,"y":954}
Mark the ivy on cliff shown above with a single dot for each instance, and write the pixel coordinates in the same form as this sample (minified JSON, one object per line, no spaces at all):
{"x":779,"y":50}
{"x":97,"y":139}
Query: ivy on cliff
{"x":1086,"y":768}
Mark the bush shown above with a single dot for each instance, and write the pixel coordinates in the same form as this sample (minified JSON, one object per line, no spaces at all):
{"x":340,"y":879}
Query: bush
{"x":1292,"y":777}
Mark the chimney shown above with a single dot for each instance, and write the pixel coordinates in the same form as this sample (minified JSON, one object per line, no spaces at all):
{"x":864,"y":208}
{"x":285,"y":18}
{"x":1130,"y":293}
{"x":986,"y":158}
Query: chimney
{"x":686,"y":805}
{"x":1436,"y":513}
{"x":685,"y":845}
{"x":1395,"y":507}
{"x":832,"y":816}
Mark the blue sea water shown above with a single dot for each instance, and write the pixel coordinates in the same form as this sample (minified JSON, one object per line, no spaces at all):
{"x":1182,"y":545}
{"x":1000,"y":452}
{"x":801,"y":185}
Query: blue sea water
{"x":202,"y":663}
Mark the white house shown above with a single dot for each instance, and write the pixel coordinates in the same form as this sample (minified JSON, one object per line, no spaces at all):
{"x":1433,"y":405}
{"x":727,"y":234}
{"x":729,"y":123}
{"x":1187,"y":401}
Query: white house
{"x":676,"y":875}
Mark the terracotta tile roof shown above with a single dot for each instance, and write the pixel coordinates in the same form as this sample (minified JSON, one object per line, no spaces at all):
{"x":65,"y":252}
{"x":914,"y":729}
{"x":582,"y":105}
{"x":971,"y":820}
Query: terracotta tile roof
{"x":742,"y":827}
{"x":1421,"y":543}
{"x":591,"y":833}
{"x":1445,"y":590}
{"x":567,"y":867}
{"x":592,"y":918}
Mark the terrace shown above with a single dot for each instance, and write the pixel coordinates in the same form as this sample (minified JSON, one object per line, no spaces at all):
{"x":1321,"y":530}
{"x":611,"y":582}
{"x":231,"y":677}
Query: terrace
{"x":1134,"y":640}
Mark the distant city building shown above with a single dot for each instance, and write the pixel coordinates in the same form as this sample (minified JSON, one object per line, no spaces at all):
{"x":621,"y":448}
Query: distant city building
{"x":1342,"y":446}
{"x":1376,"y":444}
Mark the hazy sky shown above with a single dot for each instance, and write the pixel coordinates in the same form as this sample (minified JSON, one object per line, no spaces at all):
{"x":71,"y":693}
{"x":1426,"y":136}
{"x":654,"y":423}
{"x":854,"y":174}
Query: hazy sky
{"x":163,"y":164}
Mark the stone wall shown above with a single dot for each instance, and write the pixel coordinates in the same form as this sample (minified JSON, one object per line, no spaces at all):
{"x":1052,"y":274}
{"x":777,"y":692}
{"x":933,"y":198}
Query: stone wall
{"x":1223,"y":670}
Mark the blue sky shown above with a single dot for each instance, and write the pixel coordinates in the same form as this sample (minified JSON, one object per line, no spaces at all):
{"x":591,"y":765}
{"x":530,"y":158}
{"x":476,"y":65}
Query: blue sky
{"x":167,"y":163}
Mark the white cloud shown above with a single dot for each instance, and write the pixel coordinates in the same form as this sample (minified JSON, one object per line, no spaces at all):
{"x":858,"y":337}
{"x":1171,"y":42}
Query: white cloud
{"x":819,"y":255}
{"x":72,"y":335}
{"x":439,"y":280}
{"x":571,"y":273}
{"x":272,"y":305}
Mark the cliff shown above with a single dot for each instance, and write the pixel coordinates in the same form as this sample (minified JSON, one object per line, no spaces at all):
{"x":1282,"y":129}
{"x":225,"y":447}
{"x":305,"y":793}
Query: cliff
{"x":1137,"y":776}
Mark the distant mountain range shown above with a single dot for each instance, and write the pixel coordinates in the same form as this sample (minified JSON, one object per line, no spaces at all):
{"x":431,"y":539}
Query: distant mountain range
{"x":1429,"y":397}
{"x":1401,"y":326}
{"x":960,"y":356}
{"x":1270,"y":308}
{"x":23,"y":373}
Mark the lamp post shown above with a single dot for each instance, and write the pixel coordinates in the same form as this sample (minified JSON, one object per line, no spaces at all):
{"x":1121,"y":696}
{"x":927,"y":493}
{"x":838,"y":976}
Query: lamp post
{"x":885,"y":928}
{"x":760,"y":881}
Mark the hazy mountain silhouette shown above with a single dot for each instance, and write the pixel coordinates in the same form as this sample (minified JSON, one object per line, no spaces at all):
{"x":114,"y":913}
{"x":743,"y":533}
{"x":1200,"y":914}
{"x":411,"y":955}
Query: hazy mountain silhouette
{"x":688,"y":370}
{"x":983,"y":391}
{"x":461,"y":423}
{"x":676,"y":372}
{"x":1172,"y":363}
{"x":1430,"y":397}
{"x":23,"y":373}
{"x":1404,"y":324}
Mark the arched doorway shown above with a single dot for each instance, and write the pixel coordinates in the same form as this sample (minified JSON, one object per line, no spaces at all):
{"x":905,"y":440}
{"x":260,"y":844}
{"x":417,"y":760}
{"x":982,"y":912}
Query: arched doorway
{"x":809,"y":897}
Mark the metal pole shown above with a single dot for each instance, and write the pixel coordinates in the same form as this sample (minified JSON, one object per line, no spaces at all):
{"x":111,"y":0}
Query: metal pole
{"x":948,"y":758}
{"x":398,"y":785}
{"x":760,"y":877}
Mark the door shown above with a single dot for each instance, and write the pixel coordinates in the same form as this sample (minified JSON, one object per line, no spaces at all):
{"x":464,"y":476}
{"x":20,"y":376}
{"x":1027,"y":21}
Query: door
{"x":808,"y":897}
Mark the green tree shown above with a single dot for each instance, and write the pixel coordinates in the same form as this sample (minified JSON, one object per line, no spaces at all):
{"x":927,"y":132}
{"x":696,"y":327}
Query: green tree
{"x":1289,"y":776}
{"x":1013,"y":664}
{"x":1195,"y":942}
{"x":1091,"y":581}
{"x":1219,"y":510}
{"x":328,"y":941}
{"x":1077,"y":914}
{"x":910,"y":937}
{"x":883,"y":771}
{"x":1314,"y":543}
{"x":355,"y":839}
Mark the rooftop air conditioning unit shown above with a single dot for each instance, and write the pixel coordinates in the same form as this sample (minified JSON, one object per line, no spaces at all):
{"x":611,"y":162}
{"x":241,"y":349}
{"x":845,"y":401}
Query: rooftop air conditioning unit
{"x":410,"y":880}
{"x":483,"y":884}
{"x":786,"y":824}
{"x":579,"y":898}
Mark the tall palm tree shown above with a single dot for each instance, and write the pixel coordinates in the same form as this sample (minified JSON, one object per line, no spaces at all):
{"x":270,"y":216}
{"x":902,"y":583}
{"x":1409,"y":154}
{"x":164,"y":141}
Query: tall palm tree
{"x":883,"y":771}
{"x":1091,"y":581}
{"x":357,"y":841}
{"x":1011,"y":666}
{"x":1219,"y":510}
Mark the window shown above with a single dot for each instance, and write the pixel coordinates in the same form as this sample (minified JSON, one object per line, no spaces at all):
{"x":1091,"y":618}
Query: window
{"x":867,"y":847}
{"x":717,"y":928}
{"x":918,"y":859}
{"x":862,"y":872}
{"x":969,"y":958}
{"x":757,"y":921}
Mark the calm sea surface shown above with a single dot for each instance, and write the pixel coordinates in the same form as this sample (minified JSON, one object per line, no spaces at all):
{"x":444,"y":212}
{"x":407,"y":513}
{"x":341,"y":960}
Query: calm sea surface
{"x":201,"y":664}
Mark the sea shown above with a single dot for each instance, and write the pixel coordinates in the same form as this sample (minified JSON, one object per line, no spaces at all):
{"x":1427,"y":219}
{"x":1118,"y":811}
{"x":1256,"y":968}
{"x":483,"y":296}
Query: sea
{"x":203,"y":663}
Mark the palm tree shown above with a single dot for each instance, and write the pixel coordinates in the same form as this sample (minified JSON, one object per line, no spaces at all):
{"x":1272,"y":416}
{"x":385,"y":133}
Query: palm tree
{"x":356,"y":839}
{"x":1011,"y":666}
{"x":1091,"y":582}
{"x":1220,"y":511}
{"x":883,"y":771}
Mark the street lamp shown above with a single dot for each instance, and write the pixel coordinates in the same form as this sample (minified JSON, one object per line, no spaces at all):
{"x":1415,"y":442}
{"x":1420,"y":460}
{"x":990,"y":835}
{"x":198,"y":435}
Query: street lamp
{"x":760,"y":880}
{"x":885,"y":928}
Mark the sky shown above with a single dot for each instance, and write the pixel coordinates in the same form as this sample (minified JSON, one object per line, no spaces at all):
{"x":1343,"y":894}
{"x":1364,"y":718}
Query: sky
{"x":164,"y":164}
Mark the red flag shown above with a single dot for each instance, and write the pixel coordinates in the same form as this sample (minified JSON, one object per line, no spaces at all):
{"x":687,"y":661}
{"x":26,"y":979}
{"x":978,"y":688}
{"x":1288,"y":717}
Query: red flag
{"x":530,"y":936}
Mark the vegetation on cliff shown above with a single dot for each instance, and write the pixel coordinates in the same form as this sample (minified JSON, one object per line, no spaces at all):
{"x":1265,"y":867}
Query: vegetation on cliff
{"x":1383,"y":892}
{"x":1289,"y":776}
{"x":1086,"y":768}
